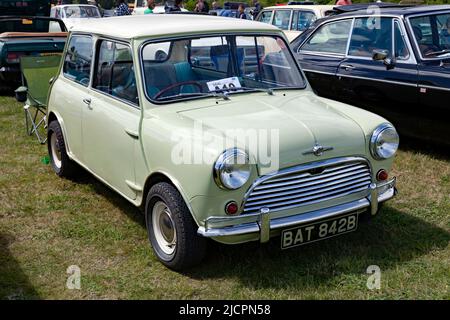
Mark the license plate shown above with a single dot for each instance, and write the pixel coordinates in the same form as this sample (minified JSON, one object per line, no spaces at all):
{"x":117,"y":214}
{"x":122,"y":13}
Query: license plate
{"x":317,"y":231}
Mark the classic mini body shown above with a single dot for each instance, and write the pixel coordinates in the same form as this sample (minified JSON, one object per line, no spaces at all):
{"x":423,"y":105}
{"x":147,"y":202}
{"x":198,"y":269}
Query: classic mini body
{"x":212,"y":129}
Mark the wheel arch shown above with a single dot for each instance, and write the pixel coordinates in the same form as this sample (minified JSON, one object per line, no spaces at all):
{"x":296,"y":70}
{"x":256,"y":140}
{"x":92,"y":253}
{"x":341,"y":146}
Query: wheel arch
{"x":162,"y":176}
{"x":53,"y":116}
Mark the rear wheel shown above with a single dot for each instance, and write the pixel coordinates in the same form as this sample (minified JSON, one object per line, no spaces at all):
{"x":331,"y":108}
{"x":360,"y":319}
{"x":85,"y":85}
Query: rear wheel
{"x":171,"y":230}
{"x":59,"y":160}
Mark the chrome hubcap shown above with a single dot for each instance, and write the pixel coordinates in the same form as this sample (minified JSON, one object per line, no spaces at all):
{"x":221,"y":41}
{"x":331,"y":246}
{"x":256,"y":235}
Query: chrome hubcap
{"x":164,"y":227}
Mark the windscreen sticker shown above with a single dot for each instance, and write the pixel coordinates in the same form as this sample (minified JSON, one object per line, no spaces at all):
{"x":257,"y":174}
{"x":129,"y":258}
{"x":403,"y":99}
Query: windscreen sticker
{"x":224,"y":84}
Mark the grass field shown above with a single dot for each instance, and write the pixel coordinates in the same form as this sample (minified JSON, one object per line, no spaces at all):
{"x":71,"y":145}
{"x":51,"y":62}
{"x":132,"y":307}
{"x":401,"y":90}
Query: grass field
{"x":48,"y":224}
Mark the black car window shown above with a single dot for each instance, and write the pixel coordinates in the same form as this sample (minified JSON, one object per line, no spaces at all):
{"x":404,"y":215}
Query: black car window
{"x":370,"y":33}
{"x":329,"y":38}
{"x":401,"y":50}
{"x":432,"y":35}
{"x":77,"y":62}
{"x":114,"y":72}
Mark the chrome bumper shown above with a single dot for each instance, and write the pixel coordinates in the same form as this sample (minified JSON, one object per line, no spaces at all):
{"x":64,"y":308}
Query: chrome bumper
{"x":262,"y":224}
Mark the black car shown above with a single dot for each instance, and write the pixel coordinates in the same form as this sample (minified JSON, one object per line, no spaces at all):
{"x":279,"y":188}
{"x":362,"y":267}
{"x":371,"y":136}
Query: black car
{"x":392,"y":60}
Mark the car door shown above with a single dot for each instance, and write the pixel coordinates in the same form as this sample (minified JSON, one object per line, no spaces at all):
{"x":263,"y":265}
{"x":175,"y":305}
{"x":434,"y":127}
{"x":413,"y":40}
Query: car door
{"x":73,"y":87}
{"x":322,"y":52}
{"x":387,"y":87}
{"x":112,"y":116}
{"x":434,"y":75}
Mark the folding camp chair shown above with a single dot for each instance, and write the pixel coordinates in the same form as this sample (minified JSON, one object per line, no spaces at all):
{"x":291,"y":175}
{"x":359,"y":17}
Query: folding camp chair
{"x":36,"y":74}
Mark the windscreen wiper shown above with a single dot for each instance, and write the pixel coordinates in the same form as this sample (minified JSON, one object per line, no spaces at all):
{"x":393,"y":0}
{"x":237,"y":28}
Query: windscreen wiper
{"x":437,"y":53}
{"x":269,"y":91}
{"x":194,"y":94}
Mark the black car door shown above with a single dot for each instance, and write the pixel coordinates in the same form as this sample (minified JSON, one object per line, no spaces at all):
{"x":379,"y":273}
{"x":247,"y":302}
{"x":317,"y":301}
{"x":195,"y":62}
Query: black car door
{"x":433,"y":46}
{"x":322,"y":52}
{"x":386,"y":86}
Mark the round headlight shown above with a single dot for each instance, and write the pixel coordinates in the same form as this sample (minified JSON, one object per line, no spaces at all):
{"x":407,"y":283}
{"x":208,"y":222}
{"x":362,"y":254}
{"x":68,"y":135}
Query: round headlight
{"x":232,"y":169}
{"x":384,"y":142}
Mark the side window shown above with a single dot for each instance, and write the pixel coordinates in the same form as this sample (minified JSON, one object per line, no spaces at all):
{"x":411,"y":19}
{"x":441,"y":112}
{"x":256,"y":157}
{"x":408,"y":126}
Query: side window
{"x":329,"y":38}
{"x":400,"y":47}
{"x":281,"y":19}
{"x":301,"y":20}
{"x":369,"y":34}
{"x":77,"y":62}
{"x":265,"y":16}
{"x":114,"y":73}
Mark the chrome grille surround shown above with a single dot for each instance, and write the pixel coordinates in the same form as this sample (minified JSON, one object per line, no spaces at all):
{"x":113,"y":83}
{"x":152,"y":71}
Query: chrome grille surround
{"x":300,"y":185}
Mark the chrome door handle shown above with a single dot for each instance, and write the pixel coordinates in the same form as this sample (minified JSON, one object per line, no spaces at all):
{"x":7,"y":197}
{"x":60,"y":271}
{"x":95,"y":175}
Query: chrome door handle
{"x":88,"y":101}
{"x":347,"y":67}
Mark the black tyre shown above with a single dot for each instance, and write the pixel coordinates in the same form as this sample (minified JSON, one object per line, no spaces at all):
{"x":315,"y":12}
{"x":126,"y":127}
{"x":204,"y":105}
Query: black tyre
{"x":171,"y":229}
{"x":59,"y":160}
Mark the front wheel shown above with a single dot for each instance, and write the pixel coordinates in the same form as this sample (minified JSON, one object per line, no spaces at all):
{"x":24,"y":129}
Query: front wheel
{"x":171,"y":230}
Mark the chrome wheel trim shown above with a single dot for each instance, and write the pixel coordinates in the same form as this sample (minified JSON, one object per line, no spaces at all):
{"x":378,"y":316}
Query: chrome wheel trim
{"x":56,"y":152}
{"x":164,"y":228}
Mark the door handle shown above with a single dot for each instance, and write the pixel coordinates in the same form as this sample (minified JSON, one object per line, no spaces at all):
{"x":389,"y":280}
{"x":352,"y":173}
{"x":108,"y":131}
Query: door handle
{"x":347,"y":67}
{"x":131,"y":133}
{"x":88,"y":101}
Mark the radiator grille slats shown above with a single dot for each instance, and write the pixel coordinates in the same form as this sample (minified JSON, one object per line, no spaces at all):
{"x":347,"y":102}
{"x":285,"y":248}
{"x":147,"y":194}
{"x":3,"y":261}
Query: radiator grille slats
{"x":299,"y":188}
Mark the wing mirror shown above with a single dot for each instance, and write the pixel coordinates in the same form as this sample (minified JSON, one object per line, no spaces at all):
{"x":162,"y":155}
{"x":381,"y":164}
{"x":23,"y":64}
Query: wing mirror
{"x":383,"y":55}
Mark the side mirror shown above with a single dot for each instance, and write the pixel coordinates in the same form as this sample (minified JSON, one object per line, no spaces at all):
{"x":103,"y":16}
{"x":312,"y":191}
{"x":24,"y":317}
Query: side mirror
{"x":383,"y":55}
{"x":380,"y":55}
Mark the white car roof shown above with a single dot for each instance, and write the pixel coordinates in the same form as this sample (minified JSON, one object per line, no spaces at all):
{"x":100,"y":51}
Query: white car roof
{"x":314,"y":7}
{"x":151,"y":25}
{"x":74,"y":5}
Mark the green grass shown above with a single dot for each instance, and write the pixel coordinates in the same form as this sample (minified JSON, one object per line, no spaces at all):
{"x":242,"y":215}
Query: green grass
{"x":48,"y":224}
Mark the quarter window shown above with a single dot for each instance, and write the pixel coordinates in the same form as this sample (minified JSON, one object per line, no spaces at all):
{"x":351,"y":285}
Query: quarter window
{"x":401,"y":50}
{"x":115,"y":72}
{"x":369,"y":34}
{"x":77,"y":62}
{"x":330,"y":38}
{"x":281,"y":19}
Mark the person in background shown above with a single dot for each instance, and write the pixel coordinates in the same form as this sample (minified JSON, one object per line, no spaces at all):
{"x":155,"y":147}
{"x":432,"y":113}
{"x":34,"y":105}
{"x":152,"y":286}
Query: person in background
{"x":215,"y":5}
{"x":241,"y":13}
{"x":343,"y":2}
{"x":122,"y":8}
{"x":176,"y":7}
{"x":257,"y":9}
{"x":199,"y":6}
{"x":150,"y":6}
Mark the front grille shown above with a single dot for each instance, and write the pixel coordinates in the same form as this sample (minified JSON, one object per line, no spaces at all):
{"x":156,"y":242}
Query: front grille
{"x":295,"y":188}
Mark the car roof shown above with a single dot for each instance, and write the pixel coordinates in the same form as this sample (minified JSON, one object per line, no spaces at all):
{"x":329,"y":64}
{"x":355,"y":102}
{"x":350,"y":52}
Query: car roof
{"x":306,"y":6}
{"x":129,"y":27}
{"x":74,"y":5}
{"x":390,"y":9}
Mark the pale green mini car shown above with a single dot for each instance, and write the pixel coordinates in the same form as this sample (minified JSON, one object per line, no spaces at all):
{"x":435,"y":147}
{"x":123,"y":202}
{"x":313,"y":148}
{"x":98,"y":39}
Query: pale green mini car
{"x":210,"y":126}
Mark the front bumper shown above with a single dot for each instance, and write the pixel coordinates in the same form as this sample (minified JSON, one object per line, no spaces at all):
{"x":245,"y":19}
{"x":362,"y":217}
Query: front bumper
{"x":261,"y":226}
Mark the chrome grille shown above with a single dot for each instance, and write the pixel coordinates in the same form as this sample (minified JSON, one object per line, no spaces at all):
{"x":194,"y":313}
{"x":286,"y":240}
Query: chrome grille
{"x":308,"y":185}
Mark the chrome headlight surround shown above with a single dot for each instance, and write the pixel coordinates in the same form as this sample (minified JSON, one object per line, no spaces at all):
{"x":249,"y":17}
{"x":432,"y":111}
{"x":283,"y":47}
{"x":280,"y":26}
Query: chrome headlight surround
{"x":384,"y":142}
{"x":232,"y":169}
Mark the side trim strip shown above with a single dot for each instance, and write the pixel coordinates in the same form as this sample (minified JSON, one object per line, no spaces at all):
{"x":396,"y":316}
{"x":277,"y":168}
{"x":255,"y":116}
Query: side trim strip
{"x":378,"y":80}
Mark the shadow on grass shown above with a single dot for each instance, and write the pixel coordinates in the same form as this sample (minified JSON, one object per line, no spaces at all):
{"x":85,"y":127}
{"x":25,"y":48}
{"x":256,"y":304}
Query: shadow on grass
{"x":387,"y":241}
{"x":14,"y":284}
{"x":390,"y":239}
{"x":432,"y":149}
